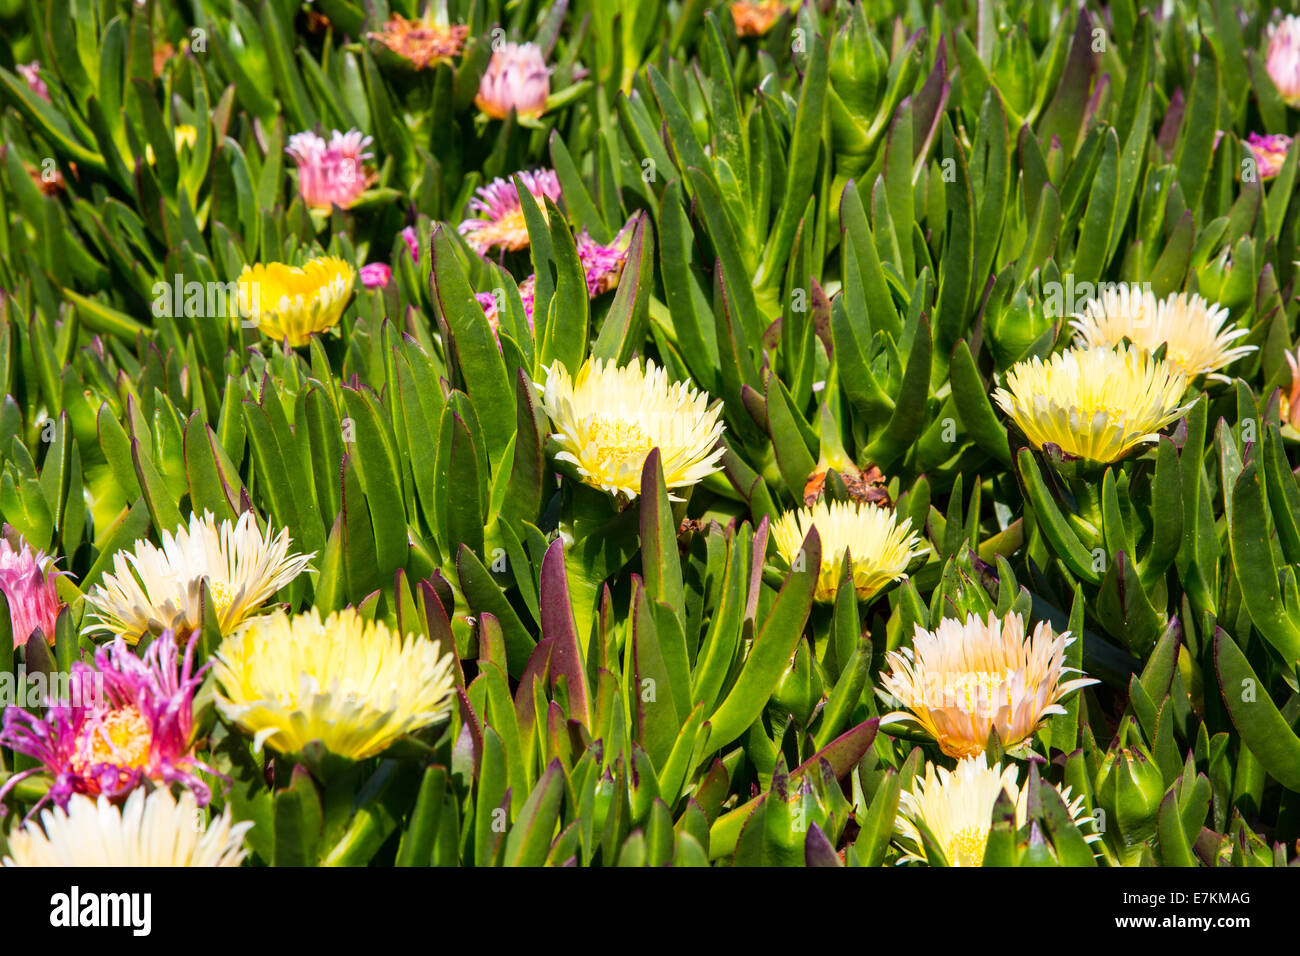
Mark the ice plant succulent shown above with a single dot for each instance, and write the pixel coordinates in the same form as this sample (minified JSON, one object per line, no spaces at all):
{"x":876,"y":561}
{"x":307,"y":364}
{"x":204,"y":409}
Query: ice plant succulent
{"x":878,"y":543}
{"x":956,"y":806}
{"x":1096,"y":404}
{"x":30,"y":585}
{"x":1283,"y":59}
{"x":152,"y":589}
{"x":292,"y":303}
{"x":331,"y":172}
{"x":967,"y":678}
{"x":424,"y":43}
{"x":123,"y":721}
{"x":1197,"y":336}
{"x":354,"y":685}
{"x":153,"y":829}
{"x":517,"y":78}
{"x":1269,"y":152}
{"x":607,"y":419}
{"x":501,"y":223}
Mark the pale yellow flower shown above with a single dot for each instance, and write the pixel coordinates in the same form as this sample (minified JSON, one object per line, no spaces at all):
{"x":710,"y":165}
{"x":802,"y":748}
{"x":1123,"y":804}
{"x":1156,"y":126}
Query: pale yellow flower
{"x":184,"y":136}
{"x":607,"y":420}
{"x":1096,"y":403}
{"x":880,"y":545}
{"x":963,"y":679}
{"x":152,"y":589}
{"x":956,"y":806}
{"x":354,"y":685}
{"x":152,"y":829}
{"x":295,"y":302}
{"x":1197,"y":335}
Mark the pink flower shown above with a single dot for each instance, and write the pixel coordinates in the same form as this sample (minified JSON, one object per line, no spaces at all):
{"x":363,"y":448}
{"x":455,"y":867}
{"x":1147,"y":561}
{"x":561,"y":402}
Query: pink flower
{"x":517,"y":78}
{"x":29,"y":585}
{"x":488,"y":302}
{"x":124,"y":719}
{"x":1283,"y":59}
{"x":331,"y":173}
{"x":375,"y":275}
{"x":1269,"y":152}
{"x":502,"y":221}
{"x":412,"y":243}
{"x":603,"y":265}
{"x":28,"y":71}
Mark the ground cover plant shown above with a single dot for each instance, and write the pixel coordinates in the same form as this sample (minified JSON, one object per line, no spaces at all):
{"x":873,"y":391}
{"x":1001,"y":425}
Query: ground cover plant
{"x":643,"y":433}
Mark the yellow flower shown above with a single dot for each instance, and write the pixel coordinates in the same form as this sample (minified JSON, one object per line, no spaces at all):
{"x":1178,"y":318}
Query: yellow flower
{"x":151,"y":589}
{"x":354,"y":685}
{"x":152,"y":829}
{"x":962,"y":680}
{"x":879,"y":544}
{"x":1196,"y":335}
{"x":1095,"y":403}
{"x":956,"y":806}
{"x":607,"y":420}
{"x":183,"y":136}
{"x":293,"y":302}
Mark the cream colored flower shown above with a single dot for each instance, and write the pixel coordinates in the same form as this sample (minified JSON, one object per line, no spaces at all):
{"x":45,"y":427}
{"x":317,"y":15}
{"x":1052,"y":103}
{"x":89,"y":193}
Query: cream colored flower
{"x":152,"y":588}
{"x":354,"y":685}
{"x":1197,"y":336}
{"x":880,"y":545}
{"x":608,"y":419}
{"x":956,"y":806}
{"x":1096,"y":403}
{"x":962,"y":680}
{"x":295,"y":302}
{"x":152,"y":829}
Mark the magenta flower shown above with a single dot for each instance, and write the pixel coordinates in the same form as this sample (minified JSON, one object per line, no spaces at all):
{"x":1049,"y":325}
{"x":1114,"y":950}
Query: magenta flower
{"x":603,"y":265}
{"x":412,"y":243}
{"x":123,"y":720}
{"x":30,"y":586}
{"x":28,"y":71}
{"x":375,"y":275}
{"x":1283,"y":59}
{"x":1269,"y":152}
{"x":517,"y":78}
{"x":502,"y":220}
{"x":488,"y":302}
{"x":331,"y":173}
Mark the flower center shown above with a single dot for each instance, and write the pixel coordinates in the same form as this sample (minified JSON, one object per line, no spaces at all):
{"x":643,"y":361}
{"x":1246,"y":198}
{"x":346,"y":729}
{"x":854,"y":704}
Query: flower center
{"x":618,"y":440}
{"x":120,"y":737}
{"x":966,"y":846}
{"x":222,"y":596}
{"x":975,"y":690}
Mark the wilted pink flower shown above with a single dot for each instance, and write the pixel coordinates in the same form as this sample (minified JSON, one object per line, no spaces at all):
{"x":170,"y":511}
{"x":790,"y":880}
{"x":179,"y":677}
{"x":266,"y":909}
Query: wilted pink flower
{"x":375,"y":275}
{"x":29,"y":584}
{"x":124,"y":719}
{"x":517,"y":78}
{"x":502,"y":221}
{"x":1283,"y":60}
{"x":331,"y":173}
{"x":603,"y":265}
{"x":28,"y":71}
{"x":1269,"y":152}
{"x":412,"y":243}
